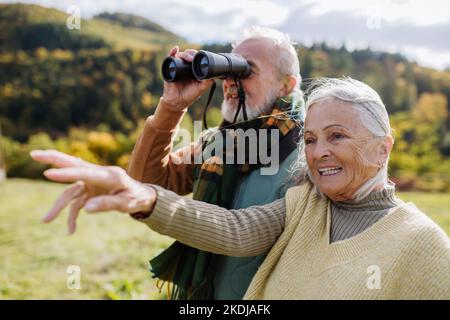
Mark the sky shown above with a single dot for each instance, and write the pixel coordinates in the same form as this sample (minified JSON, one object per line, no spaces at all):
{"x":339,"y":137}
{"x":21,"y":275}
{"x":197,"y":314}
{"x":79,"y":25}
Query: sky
{"x":419,"y":29}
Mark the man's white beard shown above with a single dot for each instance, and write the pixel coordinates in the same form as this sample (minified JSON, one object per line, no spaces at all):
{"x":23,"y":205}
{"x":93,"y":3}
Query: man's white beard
{"x":229,"y":111}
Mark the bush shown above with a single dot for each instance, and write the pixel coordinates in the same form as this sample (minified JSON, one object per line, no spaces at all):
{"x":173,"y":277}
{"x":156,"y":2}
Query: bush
{"x":98,"y":147}
{"x":17,"y":158}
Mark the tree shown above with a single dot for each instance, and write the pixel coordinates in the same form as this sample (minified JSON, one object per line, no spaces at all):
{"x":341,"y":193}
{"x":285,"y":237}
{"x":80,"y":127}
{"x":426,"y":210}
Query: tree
{"x":431,"y":108}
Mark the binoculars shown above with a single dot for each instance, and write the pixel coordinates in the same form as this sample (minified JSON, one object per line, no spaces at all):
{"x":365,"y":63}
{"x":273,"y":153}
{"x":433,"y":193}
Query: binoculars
{"x":205,"y":65}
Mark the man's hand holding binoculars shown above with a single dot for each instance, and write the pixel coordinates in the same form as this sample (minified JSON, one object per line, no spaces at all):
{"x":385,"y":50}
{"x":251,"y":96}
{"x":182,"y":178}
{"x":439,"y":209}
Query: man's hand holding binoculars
{"x":181,"y":94}
{"x":189,"y":74}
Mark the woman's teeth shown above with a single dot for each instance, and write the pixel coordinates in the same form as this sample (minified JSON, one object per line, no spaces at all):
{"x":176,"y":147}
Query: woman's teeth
{"x":329,"y":171}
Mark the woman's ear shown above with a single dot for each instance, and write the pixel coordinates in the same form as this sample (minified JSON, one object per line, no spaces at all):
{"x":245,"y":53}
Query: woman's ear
{"x":289,"y":83}
{"x":385,"y":148}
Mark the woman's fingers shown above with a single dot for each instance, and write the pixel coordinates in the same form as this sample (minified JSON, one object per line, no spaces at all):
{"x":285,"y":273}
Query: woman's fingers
{"x":108,"y":203}
{"x":58,"y":159}
{"x":75,"y":208}
{"x":71,"y":192}
{"x":99,"y":176}
{"x":134,"y":199}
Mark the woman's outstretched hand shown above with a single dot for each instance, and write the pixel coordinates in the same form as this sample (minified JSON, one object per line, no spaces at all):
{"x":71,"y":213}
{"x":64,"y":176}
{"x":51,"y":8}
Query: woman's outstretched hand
{"x":95,"y":188}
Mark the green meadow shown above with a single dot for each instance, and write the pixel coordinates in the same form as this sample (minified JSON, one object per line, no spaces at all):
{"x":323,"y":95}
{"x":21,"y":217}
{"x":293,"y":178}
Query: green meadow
{"x":111,"y":249}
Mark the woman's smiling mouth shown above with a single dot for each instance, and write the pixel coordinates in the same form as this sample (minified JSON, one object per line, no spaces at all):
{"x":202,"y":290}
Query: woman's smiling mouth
{"x":329,"y":171}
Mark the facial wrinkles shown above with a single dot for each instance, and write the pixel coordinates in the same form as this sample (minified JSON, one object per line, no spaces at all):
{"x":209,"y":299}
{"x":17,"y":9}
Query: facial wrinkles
{"x":357,"y":152}
{"x":359,"y":149}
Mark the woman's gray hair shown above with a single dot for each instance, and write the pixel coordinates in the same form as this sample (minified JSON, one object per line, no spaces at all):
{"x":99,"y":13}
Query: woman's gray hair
{"x":286,"y":59}
{"x":371,"y":111}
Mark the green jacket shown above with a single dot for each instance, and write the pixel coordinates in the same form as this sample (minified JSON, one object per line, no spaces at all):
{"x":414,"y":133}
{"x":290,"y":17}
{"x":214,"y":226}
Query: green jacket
{"x":234,"y":274}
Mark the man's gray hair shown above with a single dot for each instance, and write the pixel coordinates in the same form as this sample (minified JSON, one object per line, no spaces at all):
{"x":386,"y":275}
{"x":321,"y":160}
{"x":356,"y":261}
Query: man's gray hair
{"x":286,"y":58}
{"x":371,"y":111}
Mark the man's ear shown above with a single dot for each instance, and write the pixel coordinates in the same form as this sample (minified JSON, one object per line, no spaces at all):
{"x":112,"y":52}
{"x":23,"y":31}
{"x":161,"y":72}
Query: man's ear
{"x":289,"y":83}
{"x":385,"y":148}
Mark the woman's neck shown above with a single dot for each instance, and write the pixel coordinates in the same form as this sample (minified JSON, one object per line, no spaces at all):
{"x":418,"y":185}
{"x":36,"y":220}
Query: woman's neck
{"x":351,"y":196}
{"x":380,"y":198}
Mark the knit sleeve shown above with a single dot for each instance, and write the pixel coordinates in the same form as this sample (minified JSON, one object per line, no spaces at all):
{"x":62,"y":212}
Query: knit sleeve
{"x":153,"y":159}
{"x":244,"y":232}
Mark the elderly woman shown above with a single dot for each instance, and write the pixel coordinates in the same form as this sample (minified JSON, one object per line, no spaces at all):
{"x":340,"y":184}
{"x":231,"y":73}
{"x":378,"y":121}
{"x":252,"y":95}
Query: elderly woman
{"x":341,"y":233}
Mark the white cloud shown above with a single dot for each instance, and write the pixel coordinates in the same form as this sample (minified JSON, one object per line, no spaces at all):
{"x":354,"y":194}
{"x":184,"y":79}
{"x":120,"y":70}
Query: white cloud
{"x":427,"y":12}
{"x":415,"y":28}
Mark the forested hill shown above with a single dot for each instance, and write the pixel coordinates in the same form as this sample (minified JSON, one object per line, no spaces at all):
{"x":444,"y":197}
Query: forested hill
{"x":106,"y":77}
{"x":27,"y":27}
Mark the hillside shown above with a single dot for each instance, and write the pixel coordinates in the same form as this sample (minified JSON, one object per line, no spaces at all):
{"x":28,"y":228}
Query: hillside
{"x":87,"y":92}
{"x":27,"y":27}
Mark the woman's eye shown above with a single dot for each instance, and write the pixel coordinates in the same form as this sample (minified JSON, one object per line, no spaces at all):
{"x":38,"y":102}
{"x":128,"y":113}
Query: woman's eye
{"x":338,"y":136}
{"x":308,"y":141}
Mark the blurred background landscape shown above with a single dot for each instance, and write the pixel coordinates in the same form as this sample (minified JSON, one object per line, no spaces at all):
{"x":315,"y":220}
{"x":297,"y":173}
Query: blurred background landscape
{"x":87,"y":92}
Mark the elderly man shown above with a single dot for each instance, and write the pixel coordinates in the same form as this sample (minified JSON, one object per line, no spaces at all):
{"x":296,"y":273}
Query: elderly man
{"x":271,"y":88}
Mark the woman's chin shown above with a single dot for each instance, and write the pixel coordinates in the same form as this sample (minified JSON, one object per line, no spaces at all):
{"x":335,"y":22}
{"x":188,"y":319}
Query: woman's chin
{"x":331,"y":190}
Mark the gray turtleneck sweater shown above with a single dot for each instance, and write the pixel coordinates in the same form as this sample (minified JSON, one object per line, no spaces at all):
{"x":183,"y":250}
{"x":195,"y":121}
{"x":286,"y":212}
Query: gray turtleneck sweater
{"x":215,"y":229}
{"x":348,"y":218}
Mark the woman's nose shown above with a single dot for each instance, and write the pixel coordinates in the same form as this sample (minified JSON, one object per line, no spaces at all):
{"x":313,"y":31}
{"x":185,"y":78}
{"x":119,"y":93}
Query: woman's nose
{"x":322,"y":150}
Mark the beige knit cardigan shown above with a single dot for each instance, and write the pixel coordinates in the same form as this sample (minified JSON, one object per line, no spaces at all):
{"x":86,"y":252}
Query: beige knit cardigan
{"x":404,"y":255}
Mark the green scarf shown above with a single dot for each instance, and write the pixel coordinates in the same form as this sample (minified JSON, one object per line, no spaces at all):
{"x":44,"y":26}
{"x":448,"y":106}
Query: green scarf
{"x":191,"y":270}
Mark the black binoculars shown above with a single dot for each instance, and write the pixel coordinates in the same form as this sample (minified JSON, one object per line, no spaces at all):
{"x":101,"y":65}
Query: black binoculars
{"x":205,"y":65}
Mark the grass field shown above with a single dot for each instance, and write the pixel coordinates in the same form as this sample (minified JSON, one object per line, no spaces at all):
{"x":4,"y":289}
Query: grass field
{"x":111,"y":249}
